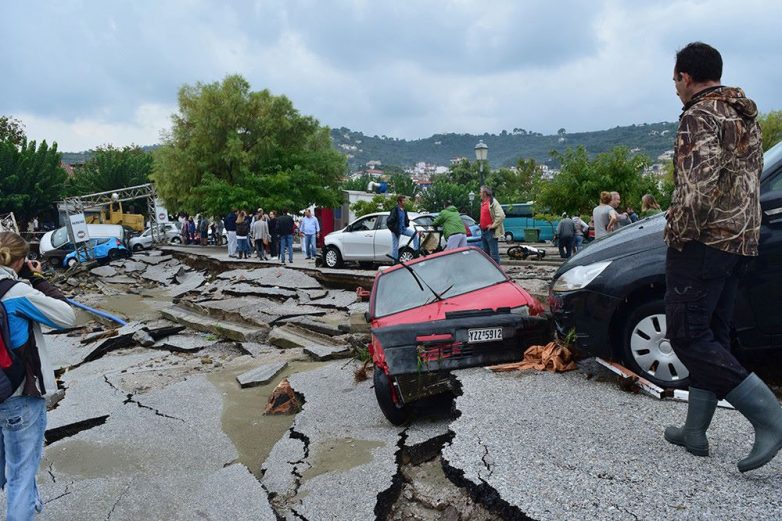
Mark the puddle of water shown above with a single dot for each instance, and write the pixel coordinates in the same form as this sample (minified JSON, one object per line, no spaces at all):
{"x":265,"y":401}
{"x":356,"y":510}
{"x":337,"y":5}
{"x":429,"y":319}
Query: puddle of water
{"x":339,"y":455}
{"x":104,"y":459}
{"x":252,"y":433}
{"x":130,"y":306}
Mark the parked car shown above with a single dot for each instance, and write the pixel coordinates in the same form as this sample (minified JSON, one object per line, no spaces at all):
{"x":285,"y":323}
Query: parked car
{"x":55,"y":245}
{"x":428,"y":318}
{"x":100,"y":249}
{"x":611,"y":294}
{"x":519,"y":217}
{"x":472,"y":229}
{"x":366,"y":240}
{"x":169,"y":231}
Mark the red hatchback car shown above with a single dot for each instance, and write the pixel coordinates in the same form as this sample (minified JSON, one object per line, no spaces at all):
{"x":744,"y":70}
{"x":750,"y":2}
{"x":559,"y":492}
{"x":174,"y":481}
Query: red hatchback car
{"x":450,"y":310}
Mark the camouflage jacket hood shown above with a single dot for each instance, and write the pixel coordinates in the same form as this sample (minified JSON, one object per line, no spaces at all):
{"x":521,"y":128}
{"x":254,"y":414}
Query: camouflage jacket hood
{"x":718,"y":159}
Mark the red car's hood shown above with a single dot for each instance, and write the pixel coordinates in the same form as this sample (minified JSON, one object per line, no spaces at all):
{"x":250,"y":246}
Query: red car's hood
{"x":503,"y":295}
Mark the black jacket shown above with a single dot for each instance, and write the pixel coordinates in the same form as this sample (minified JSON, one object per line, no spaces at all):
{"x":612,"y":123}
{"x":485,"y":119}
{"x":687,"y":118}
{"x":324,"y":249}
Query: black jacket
{"x":284,"y":225}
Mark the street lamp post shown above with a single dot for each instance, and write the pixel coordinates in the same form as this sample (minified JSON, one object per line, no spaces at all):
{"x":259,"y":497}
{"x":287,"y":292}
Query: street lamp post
{"x":481,"y":153}
{"x":471,"y":197}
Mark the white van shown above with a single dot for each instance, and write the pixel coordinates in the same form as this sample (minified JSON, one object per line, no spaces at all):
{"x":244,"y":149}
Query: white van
{"x":55,"y":245}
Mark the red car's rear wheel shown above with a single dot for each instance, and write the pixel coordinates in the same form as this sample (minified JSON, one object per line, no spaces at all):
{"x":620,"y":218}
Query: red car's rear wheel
{"x":386,"y":399}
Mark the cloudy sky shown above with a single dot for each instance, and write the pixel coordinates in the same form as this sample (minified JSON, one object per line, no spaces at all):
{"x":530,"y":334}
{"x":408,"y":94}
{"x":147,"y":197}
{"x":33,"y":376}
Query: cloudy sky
{"x":86,"y":73}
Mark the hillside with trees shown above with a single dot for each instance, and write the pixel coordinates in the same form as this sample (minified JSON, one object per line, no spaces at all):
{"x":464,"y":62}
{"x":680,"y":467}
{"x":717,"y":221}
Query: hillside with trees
{"x":505,"y":149}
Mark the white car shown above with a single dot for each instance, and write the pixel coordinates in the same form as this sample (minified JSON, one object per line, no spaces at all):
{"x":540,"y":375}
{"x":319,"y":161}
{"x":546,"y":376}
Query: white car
{"x":367,"y":241}
{"x":144,"y":241}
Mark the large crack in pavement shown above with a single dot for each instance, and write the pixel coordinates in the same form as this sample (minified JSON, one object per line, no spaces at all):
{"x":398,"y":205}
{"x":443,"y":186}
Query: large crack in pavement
{"x":386,"y":499}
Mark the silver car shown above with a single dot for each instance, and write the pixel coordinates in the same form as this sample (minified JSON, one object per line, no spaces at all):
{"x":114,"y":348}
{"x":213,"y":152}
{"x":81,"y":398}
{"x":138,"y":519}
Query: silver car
{"x":170,"y":232}
{"x":367,"y":241}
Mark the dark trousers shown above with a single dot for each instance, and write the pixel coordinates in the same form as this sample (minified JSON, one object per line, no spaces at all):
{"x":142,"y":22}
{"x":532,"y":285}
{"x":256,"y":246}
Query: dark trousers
{"x":274,"y":249}
{"x":566,"y":246}
{"x":701,"y":291}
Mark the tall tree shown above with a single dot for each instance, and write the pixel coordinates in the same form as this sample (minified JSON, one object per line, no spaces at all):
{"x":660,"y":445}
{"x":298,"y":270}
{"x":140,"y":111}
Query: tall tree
{"x":232,"y":147}
{"x":771,"y":126}
{"x":31,"y":178}
{"x":577,"y":187}
{"x":111,"y":168}
{"x":402,"y":184}
{"x":11,"y":130}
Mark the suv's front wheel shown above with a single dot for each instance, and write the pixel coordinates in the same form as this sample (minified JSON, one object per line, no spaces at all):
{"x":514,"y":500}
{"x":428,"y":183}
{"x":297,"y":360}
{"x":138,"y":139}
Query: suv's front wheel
{"x":648,"y":352}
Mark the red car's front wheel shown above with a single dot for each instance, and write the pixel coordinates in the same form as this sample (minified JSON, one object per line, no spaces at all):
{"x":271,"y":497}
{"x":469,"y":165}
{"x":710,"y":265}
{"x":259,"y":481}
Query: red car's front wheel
{"x":385,"y":393}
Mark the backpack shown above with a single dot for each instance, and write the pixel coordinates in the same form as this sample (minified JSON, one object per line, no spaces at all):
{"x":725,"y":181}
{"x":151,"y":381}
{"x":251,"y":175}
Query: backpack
{"x":13,"y":368}
{"x":392,"y":222}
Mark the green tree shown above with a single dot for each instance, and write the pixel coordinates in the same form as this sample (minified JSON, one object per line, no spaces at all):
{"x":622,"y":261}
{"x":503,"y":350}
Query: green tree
{"x":357,"y":183}
{"x":402,"y":184}
{"x":444,"y":192}
{"x":11,"y":130}
{"x":379,"y":203}
{"x":232,"y":147}
{"x":771,"y":126}
{"x":111,"y":168}
{"x":577,"y":187}
{"x":31,"y":178}
{"x":466,"y":173}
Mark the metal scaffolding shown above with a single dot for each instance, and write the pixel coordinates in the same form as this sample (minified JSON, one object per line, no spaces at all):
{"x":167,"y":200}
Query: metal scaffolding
{"x":76,"y":205}
{"x":8,"y":223}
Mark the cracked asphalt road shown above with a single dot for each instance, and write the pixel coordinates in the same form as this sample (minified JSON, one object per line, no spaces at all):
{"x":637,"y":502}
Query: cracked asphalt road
{"x":561,"y":447}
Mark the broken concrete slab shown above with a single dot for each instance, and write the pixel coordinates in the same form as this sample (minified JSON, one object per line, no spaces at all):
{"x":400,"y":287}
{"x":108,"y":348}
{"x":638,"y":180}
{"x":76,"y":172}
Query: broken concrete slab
{"x":261,"y":375}
{"x":133,"y":267}
{"x":339,"y":299}
{"x":327,"y":352}
{"x":306,"y":295}
{"x":188,"y":343}
{"x":255,"y":349}
{"x":257,"y":310}
{"x":162,"y":275}
{"x":317,"y":326}
{"x":222,"y":328}
{"x":120,"y":279}
{"x":273,"y":276}
{"x":289,"y":336}
{"x":149,"y":258}
{"x":600,"y":470}
{"x":103,"y":271}
{"x":186,"y":282}
{"x":246,"y":289}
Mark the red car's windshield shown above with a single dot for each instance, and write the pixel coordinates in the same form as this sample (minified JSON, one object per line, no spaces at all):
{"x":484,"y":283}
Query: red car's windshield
{"x":448,"y":275}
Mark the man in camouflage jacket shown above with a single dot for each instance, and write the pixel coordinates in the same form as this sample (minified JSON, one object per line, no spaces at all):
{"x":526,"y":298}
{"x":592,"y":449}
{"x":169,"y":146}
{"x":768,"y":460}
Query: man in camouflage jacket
{"x":713,"y":227}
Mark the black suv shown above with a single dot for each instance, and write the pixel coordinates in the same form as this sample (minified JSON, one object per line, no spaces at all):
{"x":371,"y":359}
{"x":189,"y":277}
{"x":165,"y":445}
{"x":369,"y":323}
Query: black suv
{"x":611,"y":293}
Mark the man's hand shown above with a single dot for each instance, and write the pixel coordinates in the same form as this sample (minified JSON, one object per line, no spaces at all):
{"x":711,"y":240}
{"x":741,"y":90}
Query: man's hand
{"x":35,"y":266}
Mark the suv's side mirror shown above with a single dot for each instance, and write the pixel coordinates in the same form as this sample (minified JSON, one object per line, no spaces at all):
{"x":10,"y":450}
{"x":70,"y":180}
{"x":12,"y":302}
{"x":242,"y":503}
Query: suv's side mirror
{"x":367,"y":316}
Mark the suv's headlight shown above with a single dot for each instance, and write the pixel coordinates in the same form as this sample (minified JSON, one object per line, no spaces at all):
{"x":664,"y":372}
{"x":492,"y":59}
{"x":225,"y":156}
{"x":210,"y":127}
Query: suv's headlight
{"x":580,"y":276}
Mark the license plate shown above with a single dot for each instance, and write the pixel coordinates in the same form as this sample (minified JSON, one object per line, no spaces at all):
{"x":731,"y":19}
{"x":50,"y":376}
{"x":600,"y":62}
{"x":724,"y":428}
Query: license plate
{"x":488,"y":334}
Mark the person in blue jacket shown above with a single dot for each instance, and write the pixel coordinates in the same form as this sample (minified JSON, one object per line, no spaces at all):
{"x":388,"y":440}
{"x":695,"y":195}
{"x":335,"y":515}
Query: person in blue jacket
{"x":29,"y":300}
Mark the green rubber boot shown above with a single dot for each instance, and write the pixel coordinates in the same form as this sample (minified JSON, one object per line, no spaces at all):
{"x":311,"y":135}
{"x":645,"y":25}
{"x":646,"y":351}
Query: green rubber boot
{"x":692,"y":436}
{"x":757,"y":403}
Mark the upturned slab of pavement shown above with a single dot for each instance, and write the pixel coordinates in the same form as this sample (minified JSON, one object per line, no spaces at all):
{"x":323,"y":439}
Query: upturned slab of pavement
{"x":568,"y":448}
{"x":290,"y":336}
{"x":261,"y":375}
{"x":273,"y":276}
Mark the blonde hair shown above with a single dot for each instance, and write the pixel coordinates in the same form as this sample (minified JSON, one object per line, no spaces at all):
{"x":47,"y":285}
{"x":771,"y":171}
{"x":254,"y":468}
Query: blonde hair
{"x":12,"y":248}
{"x":648,"y":202}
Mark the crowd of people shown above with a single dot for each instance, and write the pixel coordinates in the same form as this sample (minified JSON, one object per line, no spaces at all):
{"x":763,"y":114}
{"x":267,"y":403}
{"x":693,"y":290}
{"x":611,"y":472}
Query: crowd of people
{"x":263,"y":235}
{"x":607,"y":216}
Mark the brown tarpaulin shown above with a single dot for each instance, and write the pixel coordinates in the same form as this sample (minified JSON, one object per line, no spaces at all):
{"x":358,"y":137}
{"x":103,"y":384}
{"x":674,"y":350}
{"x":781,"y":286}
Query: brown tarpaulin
{"x":550,"y":357}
